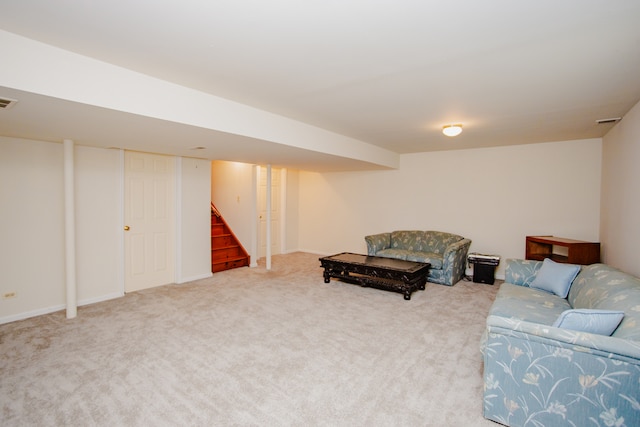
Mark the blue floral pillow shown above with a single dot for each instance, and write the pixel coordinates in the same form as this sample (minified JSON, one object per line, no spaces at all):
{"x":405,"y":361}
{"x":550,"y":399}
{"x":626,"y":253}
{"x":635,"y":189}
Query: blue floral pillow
{"x":555,"y":277}
{"x":602,"y":322}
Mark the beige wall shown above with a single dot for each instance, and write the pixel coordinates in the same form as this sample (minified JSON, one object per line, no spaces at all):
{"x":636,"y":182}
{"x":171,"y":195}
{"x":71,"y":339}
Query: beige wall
{"x":32,"y":245}
{"x":292,"y":211}
{"x":98,"y":204}
{"x":32,"y":225}
{"x":195,"y":219}
{"x":494,"y":196}
{"x":620,"y":207}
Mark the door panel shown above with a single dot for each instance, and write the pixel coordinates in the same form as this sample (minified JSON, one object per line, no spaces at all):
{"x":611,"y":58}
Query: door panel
{"x":149,"y":201}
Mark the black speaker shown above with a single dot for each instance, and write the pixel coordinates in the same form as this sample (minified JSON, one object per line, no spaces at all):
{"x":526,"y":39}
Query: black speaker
{"x":484,"y":273}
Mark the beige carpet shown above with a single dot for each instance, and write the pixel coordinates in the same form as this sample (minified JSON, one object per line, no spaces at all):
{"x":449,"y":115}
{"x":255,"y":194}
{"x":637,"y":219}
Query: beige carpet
{"x":250,"y":347}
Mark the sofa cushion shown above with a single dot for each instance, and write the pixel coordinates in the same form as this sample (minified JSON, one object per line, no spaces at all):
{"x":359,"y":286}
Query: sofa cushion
{"x":438,"y":241}
{"x":601,"y":322}
{"x":423,"y":241}
{"x":521,"y":272}
{"x":410,"y":240}
{"x":393,"y":253}
{"x":555,"y":277}
{"x":434,"y":259}
{"x":528,"y":304}
{"x":600,"y":286}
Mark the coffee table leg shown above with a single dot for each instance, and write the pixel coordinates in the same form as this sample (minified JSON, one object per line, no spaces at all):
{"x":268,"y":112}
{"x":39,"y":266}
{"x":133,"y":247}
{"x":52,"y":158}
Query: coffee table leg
{"x":327,"y":276}
{"x":407,"y":294}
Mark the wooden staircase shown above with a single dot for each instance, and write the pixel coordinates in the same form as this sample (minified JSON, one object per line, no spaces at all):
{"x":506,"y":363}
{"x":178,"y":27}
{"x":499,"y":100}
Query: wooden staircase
{"x":226,"y":250}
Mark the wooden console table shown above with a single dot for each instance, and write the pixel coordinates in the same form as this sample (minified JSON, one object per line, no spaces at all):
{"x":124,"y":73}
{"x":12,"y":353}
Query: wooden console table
{"x":579,"y":252}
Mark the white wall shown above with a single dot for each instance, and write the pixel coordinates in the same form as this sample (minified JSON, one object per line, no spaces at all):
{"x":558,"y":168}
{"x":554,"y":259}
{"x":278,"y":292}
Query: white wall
{"x":98,"y":231}
{"x":195,"y":217}
{"x":32,"y":225}
{"x":494,"y":196}
{"x":292,"y":215}
{"x":620,"y":206}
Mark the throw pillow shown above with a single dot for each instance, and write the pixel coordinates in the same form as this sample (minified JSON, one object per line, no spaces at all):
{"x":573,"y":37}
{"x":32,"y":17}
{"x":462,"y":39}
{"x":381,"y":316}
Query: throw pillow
{"x":602,"y":322}
{"x":555,"y":277}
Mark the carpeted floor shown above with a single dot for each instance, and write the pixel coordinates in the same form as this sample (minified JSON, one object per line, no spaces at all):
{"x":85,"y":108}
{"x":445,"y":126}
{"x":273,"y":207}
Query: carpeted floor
{"x":251,"y":347}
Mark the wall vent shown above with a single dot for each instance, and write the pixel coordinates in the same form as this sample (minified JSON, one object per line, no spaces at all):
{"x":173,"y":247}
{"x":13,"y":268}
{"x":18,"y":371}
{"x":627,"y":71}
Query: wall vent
{"x":6,"y":103}
{"x":605,"y":121}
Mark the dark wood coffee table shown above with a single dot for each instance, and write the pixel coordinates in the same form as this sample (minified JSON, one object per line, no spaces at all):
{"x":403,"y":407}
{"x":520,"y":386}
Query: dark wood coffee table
{"x":389,"y":274}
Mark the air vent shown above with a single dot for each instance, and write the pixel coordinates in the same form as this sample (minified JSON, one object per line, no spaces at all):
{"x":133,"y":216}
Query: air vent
{"x":605,"y":121}
{"x":6,"y":103}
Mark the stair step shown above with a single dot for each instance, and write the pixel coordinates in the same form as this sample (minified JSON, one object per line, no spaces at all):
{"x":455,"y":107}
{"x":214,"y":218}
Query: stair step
{"x":226,"y":250}
{"x":222,"y":241}
{"x":217,"y":229}
{"x":229,"y":264}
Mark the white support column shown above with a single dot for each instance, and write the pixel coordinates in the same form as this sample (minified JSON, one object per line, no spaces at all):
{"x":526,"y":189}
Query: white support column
{"x":69,"y":229}
{"x":178,"y":222}
{"x":268,"y":217}
{"x":283,"y":211}
{"x":255,"y":226}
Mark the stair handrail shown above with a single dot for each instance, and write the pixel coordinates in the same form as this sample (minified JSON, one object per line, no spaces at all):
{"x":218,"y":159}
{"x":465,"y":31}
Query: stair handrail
{"x":215,"y":210}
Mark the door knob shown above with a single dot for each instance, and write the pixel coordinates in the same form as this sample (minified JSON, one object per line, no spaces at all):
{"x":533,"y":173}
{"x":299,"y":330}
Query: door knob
{"x":126,"y":228}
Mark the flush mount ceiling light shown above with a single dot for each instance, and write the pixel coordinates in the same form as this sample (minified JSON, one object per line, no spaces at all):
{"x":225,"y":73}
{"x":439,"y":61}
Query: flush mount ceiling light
{"x":452,"y":130}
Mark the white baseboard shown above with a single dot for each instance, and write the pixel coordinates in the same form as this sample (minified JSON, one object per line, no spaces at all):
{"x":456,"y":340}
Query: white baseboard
{"x":193,"y":278}
{"x":32,"y":313}
{"x":59,"y":307}
{"x":100,"y":298}
{"x":310,"y":251}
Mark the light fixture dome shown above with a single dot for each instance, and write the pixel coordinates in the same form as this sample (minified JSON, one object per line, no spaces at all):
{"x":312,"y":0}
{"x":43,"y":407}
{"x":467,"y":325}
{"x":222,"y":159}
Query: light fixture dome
{"x":452,"y":130}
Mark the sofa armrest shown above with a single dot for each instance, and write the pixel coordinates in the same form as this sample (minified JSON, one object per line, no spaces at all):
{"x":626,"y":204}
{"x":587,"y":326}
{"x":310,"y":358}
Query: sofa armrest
{"x":540,"y":375}
{"x":377,"y":242}
{"x":521,"y":272}
{"x":454,"y":261}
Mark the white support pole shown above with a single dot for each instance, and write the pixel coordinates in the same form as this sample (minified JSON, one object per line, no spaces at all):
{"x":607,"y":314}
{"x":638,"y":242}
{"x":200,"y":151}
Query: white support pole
{"x":283,"y":211}
{"x":268,"y":224}
{"x":69,"y":229}
{"x":255,"y":226}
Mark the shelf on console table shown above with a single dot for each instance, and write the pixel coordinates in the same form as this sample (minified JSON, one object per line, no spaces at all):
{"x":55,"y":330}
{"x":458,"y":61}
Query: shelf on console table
{"x":578,"y":251}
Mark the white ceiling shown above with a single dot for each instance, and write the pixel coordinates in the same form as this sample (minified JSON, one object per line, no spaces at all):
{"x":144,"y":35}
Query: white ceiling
{"x":389,"y":73}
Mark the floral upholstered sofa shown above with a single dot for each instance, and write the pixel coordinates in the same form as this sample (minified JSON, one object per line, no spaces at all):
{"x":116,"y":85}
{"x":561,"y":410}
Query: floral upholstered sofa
{"x":551,"y":360}
{"x":446,"y":252}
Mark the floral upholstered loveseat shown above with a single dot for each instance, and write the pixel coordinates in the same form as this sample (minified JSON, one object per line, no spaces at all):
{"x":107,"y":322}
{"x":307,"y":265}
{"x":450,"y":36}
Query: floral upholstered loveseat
{"x":446,"y":252}
{"x":542,"y":367}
